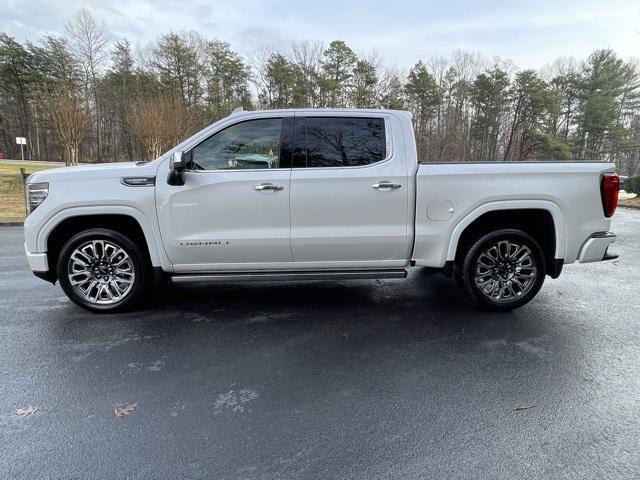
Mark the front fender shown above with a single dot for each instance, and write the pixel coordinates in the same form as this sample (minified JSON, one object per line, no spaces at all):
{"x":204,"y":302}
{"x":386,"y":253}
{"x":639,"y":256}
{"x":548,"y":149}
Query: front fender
{"x":150,"y":231}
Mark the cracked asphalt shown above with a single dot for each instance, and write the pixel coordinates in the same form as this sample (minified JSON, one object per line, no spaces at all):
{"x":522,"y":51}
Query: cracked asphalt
{"x":389,"y":379}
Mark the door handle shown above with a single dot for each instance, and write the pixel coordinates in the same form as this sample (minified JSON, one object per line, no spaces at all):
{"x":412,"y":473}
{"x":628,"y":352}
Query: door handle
{"x":268,"y":186}
{"x":385,"y":186}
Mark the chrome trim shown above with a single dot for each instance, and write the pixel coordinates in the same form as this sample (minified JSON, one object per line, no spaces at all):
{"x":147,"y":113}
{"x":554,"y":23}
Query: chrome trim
{"x":268,"y":186}
{"x":594,"y":248}
{"x":138,"y":181}
{"x":385,"y":186}
{"x":288,"y":276}
{"x":603,"y":235}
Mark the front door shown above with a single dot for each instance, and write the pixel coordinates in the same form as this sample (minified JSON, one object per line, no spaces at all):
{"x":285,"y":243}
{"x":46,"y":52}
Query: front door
{"x":233,"y":210}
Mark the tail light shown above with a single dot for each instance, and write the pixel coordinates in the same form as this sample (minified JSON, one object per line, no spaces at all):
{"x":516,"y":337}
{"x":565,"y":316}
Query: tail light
{"x":609,"y":187}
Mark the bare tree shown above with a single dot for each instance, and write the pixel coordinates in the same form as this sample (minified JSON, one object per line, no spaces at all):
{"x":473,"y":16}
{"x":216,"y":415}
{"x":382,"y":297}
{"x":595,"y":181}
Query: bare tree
{"x":307,"y":56}
{"x":258,"y":64}
{"x":159,"y":123}
{"x":89,"y":42}
{"x":68,"y":118}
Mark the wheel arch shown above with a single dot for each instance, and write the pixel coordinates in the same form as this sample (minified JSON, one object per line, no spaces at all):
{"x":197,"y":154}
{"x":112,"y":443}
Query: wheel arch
{"x":67,"y":223}
{"x":543,"y":220}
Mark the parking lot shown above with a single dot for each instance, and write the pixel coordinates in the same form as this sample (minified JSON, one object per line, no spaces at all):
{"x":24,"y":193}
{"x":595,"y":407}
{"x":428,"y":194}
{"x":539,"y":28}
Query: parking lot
{"x":364,"y":379}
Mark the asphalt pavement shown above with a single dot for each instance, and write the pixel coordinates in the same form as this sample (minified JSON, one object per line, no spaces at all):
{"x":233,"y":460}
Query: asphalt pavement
{"x":387,"y":379}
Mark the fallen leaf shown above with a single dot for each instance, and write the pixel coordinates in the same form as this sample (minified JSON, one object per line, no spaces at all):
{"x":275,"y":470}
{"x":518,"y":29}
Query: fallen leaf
{"x":523,"y":406}
{"x":126,"y":410}
{"x":197,"y":320}
{"x":25,"y":412}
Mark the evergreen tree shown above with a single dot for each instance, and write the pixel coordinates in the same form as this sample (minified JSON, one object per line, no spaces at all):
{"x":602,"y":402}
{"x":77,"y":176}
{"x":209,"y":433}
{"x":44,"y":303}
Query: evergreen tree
{"x":362,"y":92}
{"x":423,"y":97}
{"x":176,"y":61}
{"x":226,"y":78}
{"x":338,"y":63}
{"x":605,"y":82}
{"x":489,"y":98}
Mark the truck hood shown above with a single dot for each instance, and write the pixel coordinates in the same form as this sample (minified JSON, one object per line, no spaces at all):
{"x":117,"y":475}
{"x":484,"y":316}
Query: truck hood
{"x":94,"y":171}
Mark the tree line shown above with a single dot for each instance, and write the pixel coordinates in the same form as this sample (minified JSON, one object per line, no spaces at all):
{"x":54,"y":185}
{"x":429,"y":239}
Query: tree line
{"x":85,"y":96}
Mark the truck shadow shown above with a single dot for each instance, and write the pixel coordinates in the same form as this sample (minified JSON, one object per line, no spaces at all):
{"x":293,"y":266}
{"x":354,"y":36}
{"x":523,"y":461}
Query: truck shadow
{"x":424,"y":307}
{"x":423,"y":297}
{"x":429,"y":291}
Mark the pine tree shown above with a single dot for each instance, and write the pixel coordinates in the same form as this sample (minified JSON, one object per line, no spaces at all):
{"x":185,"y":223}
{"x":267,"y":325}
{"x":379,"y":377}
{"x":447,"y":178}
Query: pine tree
{"x":338,"y":63}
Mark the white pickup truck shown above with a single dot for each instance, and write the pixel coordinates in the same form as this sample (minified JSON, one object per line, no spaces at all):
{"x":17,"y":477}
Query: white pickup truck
{"x":314,"y":194}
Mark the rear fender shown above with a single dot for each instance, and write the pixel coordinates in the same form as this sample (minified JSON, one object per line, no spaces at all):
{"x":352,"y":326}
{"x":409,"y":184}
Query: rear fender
{"x":552,"y":208}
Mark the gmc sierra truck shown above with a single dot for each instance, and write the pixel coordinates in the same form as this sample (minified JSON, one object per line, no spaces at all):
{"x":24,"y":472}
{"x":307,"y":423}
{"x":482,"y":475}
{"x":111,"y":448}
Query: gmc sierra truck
{"x":313,"y":195}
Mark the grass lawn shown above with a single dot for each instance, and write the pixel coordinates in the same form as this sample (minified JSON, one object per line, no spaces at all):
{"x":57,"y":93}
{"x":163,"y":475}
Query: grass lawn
{"x":11,"y":192}
{"x":634,"y":202}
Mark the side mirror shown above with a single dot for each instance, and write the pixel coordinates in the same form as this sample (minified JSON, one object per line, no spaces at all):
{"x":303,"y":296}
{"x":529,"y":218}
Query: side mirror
{"x":178,"y":166}
{"x":178,"y":162}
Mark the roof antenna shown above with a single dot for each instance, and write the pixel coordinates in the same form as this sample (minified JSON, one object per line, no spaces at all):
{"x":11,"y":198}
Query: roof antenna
{"x":237,"y":110}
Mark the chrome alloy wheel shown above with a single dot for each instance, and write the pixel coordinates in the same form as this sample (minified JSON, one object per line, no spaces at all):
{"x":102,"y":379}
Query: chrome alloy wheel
{"x":505,"y":271}
{"x":101,"y":272}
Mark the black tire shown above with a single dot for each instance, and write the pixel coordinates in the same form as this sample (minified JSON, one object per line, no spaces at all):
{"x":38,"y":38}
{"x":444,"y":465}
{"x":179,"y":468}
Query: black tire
{"x":530,"y":272}
{"x":138,"y":280}
{"x":457,"y":276}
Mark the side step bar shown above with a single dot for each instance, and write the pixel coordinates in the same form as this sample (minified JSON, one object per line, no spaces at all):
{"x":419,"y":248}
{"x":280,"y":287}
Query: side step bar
{"x":288,"y":276}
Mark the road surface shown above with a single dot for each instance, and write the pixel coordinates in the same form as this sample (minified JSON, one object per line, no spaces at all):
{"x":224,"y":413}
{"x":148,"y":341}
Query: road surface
{"x":367,"y":379}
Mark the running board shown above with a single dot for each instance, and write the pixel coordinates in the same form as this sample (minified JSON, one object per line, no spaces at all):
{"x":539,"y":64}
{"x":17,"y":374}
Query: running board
{"x":288,"y":276}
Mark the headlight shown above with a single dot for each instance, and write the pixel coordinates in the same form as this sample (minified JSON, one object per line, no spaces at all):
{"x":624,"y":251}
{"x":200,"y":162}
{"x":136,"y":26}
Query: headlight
{"x":36,"y":193}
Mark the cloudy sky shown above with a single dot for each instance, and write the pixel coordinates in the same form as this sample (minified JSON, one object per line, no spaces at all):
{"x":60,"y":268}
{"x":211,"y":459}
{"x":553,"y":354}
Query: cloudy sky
{"x":531,"y":33}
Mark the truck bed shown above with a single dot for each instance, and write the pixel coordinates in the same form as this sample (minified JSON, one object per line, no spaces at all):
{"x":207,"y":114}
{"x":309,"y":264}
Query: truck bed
{"x":449,"y":196}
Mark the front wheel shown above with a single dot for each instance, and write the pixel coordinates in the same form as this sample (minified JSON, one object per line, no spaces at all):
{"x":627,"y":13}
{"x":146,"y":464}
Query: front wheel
{"x":103,"y":271}
{"x":503,"y":270}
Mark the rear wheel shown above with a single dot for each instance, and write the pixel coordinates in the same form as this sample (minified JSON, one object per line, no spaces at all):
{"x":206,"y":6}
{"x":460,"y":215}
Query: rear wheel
{"x":503,"y":270}
{"x":103,"y":271}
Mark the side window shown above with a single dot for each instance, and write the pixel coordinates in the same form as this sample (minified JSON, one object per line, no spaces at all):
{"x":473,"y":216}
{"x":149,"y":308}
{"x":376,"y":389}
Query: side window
{"x":245,"y":145}
{"x":344,"y":142}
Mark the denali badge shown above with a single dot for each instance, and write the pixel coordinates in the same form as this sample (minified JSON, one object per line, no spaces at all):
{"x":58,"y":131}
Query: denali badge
{"x":208,"y":243}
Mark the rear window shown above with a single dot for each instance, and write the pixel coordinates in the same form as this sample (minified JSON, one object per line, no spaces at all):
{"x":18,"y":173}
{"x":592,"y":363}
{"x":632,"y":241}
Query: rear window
{"x":344,"y":142}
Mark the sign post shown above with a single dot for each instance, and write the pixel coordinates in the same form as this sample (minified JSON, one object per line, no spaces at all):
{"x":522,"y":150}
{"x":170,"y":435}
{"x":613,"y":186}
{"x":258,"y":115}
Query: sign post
{"x":21,"y":141}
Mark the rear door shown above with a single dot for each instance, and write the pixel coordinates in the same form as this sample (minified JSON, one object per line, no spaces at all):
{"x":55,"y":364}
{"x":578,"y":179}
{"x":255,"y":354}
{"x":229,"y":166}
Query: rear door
{"x":349,"y":192}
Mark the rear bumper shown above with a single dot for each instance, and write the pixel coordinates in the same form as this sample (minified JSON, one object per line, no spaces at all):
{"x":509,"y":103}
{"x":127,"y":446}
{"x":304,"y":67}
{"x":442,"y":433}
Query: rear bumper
{"x":595,"y":248}
{"x":38,"y":262}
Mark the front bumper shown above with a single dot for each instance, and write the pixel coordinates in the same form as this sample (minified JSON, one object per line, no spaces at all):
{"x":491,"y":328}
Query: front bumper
{"x":595,"y":248}
{"x":38,"y":262}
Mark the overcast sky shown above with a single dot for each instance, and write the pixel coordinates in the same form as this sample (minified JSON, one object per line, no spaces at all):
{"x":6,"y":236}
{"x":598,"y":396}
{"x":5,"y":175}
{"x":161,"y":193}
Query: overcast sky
{"x":531,"y":33}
